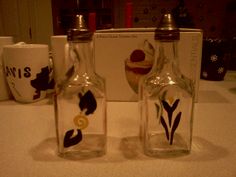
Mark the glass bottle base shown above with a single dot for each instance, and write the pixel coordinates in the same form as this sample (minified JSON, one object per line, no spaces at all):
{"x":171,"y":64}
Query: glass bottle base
{"x":159,"y":146}
{"x":90,"y":147}
{"x":166,"y":154}
{"x":81,"y":155}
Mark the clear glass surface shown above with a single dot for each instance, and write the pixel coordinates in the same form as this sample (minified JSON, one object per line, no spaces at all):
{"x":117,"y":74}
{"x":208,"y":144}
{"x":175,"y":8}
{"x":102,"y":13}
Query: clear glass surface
{"x":166,"y":102}
{"x":80,"y":107}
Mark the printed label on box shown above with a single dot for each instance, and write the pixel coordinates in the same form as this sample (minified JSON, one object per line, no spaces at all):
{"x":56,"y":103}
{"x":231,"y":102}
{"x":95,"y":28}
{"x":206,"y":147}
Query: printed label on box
{"x":123,"y":57}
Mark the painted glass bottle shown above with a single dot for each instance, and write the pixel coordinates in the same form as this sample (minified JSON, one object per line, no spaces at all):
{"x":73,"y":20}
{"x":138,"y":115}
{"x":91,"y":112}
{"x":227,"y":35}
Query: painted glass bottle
{"x":166,"y":98}
{"x":80,"y":102}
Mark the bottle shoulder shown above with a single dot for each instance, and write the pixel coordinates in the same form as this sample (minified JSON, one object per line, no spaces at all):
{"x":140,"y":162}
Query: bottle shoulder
{"x":79,"y":83}
{"x":161,"y":80}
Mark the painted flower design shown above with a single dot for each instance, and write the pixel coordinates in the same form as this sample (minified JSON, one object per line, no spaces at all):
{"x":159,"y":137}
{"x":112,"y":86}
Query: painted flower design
{"x":87,"y":104}
{"x":170,"y":123}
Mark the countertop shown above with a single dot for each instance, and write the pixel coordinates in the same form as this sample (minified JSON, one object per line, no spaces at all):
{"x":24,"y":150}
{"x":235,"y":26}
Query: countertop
{"x":28,"y":141}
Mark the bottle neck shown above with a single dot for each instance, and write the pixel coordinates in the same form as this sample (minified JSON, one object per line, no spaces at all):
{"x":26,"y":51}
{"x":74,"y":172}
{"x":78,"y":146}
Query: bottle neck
{"x":81,"y":54}
{"x":167,"y":57}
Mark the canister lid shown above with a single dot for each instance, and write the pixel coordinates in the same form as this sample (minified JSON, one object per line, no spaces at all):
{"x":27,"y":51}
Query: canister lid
{"x":80,"y":31}
{"x":167,"y":29}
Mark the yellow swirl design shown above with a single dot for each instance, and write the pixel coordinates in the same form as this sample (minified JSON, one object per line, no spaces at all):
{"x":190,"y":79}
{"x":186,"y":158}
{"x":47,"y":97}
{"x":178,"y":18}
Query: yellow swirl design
{"x":81,"y":121}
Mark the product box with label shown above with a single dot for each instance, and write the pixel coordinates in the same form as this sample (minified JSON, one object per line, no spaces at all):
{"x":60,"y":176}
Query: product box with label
{"x":122,"y":56}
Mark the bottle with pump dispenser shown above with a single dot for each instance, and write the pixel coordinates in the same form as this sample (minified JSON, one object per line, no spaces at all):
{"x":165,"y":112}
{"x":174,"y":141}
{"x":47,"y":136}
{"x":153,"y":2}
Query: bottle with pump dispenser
{"x":166,"y":98}
{"x":80,"y":102}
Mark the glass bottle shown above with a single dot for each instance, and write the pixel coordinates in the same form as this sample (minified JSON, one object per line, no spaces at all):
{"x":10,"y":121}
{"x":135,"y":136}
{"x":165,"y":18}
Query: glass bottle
{"x":166,"y":98}
{"x":80,"y":102}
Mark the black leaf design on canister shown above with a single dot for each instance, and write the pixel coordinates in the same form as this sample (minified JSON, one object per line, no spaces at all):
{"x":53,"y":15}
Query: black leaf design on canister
{"x":170,"y":109}
{"x":69,"y":140}
{"x":165,"y":127}
{"x":175,"y":125}
{"x":170,"y":130}
{"x":88,"y":102}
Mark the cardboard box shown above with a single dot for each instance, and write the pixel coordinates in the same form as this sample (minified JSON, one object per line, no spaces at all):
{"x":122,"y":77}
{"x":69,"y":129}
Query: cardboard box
{"x":113,"y":47}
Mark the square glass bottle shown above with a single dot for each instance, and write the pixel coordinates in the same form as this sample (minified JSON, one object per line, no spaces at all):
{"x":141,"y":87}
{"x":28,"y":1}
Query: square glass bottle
{"x":166,"y":98}
{"x":80,"y":101}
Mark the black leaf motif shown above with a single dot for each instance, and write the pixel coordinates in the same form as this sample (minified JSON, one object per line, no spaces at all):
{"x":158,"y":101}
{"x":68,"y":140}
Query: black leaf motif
{"x":165,"y":127}
{"x":175,"y":125}
{"x":170,"y":109}
{"x":175,"y":104}
{"x":88,"y":102}
{"x":68,"y":141}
